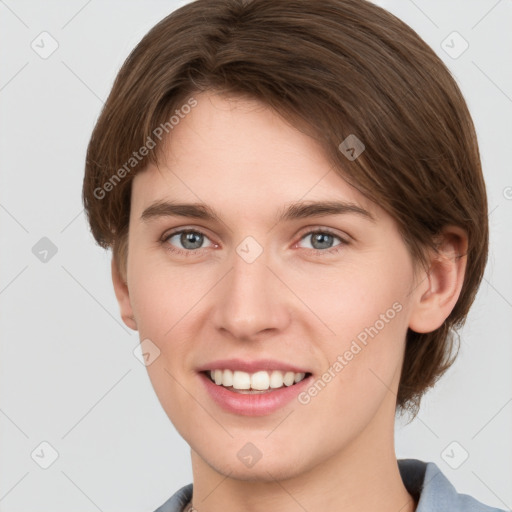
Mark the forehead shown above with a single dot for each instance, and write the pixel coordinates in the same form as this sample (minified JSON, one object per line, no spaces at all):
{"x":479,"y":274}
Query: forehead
{"x":238,"y":153}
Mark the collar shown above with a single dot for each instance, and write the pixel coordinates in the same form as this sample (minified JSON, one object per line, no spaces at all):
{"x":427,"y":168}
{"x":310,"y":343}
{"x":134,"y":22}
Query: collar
{"x":428,"y":484}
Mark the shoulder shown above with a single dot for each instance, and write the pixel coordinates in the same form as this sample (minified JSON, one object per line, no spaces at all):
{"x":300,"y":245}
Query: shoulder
{"x":435,"y":492}
{"x":177,"y":501}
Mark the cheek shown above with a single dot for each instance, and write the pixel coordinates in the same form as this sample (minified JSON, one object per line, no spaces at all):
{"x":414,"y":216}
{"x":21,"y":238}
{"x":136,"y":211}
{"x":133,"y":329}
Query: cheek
{"x":358,"y":296}
{"x":165,"y":305}
{"x":365,"y":308}
{"x":169,"y":306}
{"x":162,"y":295}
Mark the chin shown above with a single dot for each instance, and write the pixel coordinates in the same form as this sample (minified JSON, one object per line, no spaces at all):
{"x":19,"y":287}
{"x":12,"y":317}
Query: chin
{"x":260,"y":460}
{"x":262,"y":471}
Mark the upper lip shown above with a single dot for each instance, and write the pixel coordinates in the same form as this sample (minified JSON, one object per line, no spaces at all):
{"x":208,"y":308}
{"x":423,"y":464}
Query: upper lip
{"x":251,"y":366}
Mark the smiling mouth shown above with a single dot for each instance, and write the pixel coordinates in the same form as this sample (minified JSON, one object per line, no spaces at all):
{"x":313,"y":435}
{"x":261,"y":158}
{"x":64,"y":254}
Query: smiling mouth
{"x":257,"y":383}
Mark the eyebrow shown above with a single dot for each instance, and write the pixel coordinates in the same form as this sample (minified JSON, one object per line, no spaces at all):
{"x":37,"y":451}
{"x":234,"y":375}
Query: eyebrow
{"x":292,"y":211}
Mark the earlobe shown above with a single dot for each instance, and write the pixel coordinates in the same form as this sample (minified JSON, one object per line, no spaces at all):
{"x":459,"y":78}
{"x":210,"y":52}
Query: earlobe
{"x":439,"y":287}
{"x":123,"y":297}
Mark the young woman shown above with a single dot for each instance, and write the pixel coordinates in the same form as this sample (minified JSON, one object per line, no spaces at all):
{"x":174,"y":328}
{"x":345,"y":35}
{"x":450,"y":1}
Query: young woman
{"x":293,"y":195}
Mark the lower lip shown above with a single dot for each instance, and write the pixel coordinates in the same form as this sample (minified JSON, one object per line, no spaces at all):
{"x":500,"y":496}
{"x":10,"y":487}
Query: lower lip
{"x":259,"y":404}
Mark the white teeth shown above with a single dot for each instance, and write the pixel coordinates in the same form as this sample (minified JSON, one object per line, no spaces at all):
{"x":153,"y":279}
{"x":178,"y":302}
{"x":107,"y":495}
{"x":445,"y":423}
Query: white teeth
{"x":289,"y":378}
{"x":227,"y":378}
{"x":241,"y":380}
{"x":261,"y":380}
{"x":276,"y":379}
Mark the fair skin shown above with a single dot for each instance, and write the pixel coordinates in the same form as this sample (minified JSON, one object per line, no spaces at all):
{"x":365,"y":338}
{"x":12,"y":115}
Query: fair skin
{"x":294,"y":303}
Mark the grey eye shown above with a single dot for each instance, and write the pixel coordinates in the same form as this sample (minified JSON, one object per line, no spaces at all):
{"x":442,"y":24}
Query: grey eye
{"x":190,"y":240}
{"x":321,"y":239}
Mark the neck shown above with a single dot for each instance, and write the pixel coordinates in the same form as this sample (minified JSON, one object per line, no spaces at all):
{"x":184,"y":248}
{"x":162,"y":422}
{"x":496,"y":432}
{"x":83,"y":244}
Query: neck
{"x":362,"y":476}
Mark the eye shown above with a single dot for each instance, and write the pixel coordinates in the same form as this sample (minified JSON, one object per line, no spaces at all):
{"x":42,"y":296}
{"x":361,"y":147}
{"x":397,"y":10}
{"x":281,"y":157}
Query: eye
{"x":190,"y":239}
{"x":321,"y":241}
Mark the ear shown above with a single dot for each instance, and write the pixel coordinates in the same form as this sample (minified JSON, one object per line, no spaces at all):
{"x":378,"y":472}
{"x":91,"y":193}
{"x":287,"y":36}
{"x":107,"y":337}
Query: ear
{"x":439,"y":287}
{"x":123,"y":297}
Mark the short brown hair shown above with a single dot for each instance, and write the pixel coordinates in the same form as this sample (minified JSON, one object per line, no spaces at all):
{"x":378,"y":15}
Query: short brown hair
{"x":333,"y":68}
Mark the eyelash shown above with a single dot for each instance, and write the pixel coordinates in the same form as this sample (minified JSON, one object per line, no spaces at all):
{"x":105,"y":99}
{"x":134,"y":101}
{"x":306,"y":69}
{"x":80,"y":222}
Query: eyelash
{"x":196,"y":252}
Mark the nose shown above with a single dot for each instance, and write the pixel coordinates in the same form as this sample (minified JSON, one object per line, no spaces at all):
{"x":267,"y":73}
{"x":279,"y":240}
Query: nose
{"x":251,"y":300}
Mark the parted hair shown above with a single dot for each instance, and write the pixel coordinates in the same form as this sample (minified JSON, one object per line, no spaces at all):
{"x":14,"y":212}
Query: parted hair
{"x":333,"y":68}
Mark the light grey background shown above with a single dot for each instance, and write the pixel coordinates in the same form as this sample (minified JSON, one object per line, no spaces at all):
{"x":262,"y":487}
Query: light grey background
{"x":68,"y":374}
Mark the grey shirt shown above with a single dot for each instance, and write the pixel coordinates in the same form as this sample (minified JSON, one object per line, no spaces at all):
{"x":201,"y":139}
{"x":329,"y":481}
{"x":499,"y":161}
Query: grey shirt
{"x":424,"y":480}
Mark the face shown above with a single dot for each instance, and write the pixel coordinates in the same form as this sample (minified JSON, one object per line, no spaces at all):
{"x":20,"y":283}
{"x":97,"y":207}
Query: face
{"x":326,"y":293}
